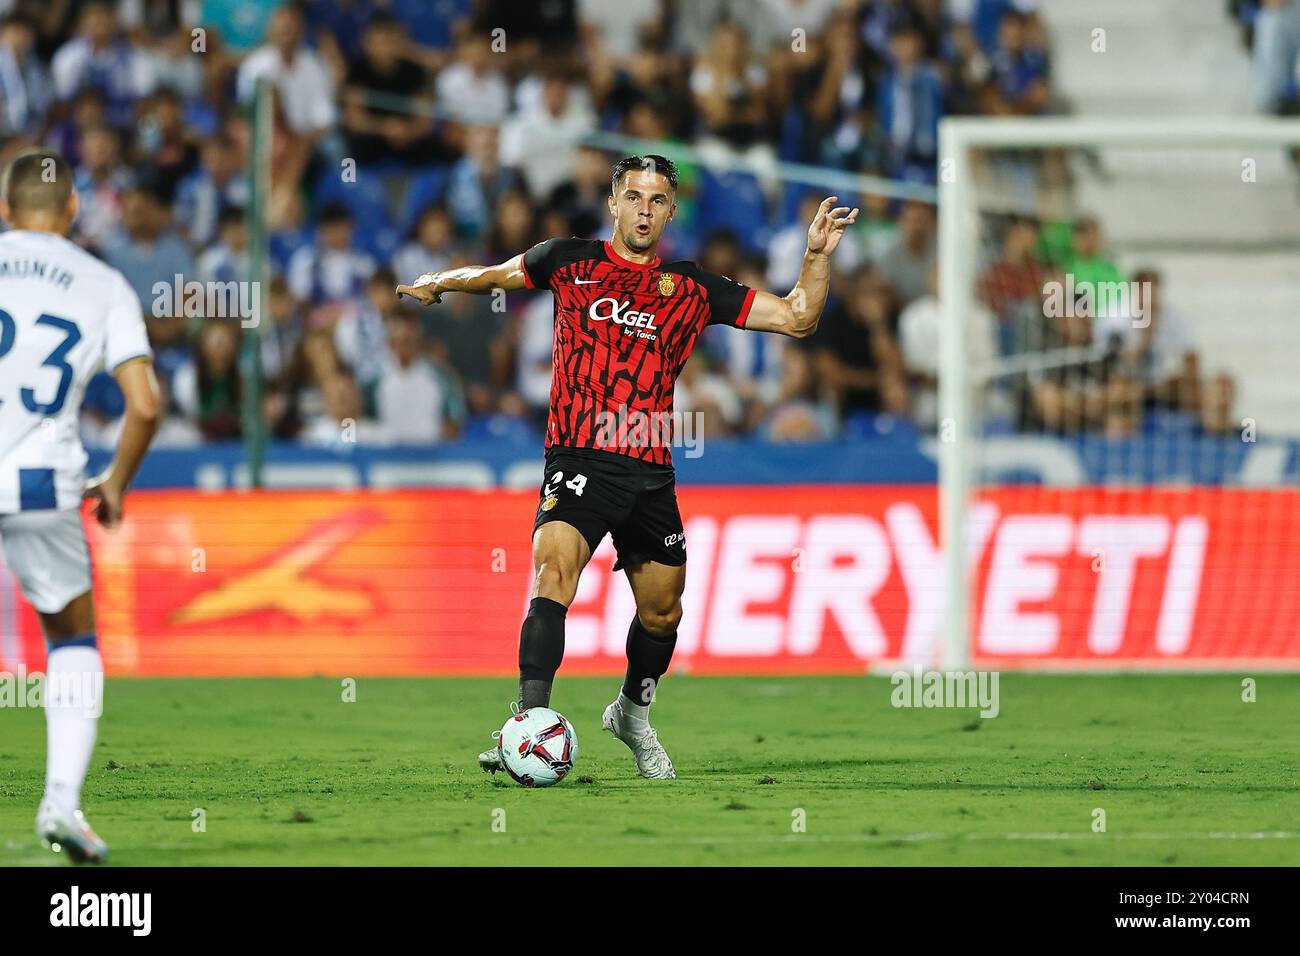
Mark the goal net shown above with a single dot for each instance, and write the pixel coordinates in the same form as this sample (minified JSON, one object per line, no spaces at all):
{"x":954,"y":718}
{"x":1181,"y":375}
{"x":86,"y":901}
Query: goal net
{"x":1118,"y":423}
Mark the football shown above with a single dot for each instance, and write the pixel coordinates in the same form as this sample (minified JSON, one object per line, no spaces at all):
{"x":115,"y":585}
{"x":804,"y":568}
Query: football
{"x":538,"y":747}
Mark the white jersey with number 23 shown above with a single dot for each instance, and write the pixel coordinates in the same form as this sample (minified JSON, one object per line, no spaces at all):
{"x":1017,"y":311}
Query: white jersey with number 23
{"x":64,"y":315}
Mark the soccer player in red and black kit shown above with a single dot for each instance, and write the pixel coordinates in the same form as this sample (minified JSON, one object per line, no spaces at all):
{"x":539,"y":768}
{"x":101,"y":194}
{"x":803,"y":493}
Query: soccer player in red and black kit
{"x":625,"y":324}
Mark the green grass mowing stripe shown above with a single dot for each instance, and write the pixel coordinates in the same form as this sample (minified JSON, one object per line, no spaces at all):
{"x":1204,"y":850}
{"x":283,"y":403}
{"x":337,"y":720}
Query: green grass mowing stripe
{"x":284,"y":771}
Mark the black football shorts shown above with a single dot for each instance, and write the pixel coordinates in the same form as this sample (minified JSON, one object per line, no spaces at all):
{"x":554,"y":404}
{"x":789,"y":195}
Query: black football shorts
{"x":602,"y":492}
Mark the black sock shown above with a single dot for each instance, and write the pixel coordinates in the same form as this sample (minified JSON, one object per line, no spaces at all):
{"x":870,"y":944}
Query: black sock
{"x":541,"y":648}
{"x":648,"y":657}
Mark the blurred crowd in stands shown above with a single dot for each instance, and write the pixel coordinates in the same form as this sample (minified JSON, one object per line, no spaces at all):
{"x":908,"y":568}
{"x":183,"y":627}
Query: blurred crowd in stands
{"x":1271,"y":31}
{"x":414,"y":135}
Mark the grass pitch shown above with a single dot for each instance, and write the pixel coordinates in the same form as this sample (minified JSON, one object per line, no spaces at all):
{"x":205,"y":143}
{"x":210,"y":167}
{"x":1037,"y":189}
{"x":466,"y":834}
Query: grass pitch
{"x":285,"y":772}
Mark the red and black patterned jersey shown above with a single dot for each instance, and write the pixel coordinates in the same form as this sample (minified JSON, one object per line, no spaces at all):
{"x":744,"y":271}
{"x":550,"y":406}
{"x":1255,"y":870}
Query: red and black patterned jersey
{"x":623,"y":331}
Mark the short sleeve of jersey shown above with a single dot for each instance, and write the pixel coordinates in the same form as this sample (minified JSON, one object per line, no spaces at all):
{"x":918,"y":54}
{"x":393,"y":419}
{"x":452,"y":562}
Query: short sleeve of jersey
{"x":729,"y":301}
{"x":543,"y":260}
{"x":540,"y":262}
{"x":125,"y":335}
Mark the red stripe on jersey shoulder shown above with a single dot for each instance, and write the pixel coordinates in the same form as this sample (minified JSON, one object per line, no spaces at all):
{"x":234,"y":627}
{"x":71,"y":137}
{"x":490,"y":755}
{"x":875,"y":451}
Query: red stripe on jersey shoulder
{"x":744,"y":308}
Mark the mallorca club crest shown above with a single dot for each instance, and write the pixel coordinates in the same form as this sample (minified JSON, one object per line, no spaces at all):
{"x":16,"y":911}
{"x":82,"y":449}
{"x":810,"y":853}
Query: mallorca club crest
{"x":666,"y":284}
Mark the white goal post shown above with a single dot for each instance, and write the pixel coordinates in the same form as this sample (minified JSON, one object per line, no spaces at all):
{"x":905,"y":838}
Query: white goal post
{"x":958,"y":249}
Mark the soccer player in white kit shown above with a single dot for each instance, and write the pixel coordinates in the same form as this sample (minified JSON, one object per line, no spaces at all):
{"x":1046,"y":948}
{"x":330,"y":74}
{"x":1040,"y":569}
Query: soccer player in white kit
{"x":63,"y":316}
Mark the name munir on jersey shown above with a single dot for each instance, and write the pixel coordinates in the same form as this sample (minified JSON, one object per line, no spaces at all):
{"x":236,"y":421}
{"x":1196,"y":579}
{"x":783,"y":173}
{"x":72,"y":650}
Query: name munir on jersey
{"x":36,"y":269}
{"x":64,"y":315}
{"x":623,"y":331}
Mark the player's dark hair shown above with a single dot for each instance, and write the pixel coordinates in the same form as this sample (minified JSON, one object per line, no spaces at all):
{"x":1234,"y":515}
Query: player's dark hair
{"x":169,"y":94}
{"x":18,"y":19}
{"x":404,"y":315}
{"x":87,"y":94}
{"x":722,"y":237}
{"x":230,"y":216}
{"x":149,"y":181}
{"x":37,"y":179}
{"x":428,"y":212}
{"x":334,"y":213}
{"x":650,"y":163}
{"x":384,"y":21}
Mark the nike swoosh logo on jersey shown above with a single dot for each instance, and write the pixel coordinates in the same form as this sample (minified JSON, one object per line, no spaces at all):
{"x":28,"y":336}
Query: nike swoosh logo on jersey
{"x":585,"y":281}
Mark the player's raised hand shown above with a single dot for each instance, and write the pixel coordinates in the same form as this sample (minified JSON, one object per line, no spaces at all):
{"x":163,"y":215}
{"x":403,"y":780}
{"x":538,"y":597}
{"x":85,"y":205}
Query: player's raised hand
{"x":829,"y":225}
{"x":108,"y":500}
{"x":423,"y":290}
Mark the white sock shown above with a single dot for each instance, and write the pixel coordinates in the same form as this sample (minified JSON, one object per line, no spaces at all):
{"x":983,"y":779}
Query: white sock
{"x":632,"y":709}
{"x":74,"y":684}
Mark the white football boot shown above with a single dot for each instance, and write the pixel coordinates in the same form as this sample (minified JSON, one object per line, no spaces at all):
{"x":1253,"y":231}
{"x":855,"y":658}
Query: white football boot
{"x":60,"y":830}
{"x":651,"y":759}
{"x":489,"y":761}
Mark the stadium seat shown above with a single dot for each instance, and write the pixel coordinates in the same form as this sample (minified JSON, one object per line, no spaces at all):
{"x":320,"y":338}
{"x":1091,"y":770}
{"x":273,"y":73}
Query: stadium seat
{"x":867,"y":425}
{"x":424,"y":190}
{"x":104,"y":396}
{"x":1000,"y":424}
{"x":283,"y":244}
{"x":367,"y":201}
{"x":431,"y":24}
{"x":732,"y":201}
{"x":791,"y":196}
{"x":499,"y":428}
{"x":792,"y":146}
{"x":1169,"y":424}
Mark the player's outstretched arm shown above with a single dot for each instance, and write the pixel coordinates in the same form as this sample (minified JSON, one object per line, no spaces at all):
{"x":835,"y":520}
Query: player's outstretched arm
{"x":140,"y":387}
{"x":797,"y":313}
{"x":479,"y":280}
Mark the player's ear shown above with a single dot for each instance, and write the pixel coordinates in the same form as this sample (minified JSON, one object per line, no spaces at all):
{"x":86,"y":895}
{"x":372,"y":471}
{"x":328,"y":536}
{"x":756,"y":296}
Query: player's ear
{"x":612,"y":204}
{"x":74,"y":205}
{"x":4,"y":212}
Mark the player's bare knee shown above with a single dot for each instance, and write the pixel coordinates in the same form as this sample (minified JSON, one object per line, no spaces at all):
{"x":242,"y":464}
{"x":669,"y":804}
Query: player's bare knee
{"x":557,"y":580}
{"x":662,"y":623}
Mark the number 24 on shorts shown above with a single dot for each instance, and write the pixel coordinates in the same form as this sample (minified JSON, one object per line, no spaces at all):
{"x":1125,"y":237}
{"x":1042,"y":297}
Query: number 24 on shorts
{"x":574,"y":484}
